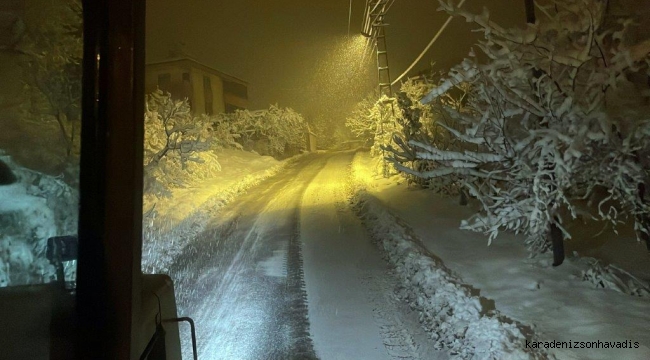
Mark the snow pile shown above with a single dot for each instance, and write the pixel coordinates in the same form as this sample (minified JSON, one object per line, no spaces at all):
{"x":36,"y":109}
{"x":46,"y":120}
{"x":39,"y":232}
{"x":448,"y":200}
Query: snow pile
{"x":614,"y":278}
{"x":33,"y":209}
{"x":453,"y":316}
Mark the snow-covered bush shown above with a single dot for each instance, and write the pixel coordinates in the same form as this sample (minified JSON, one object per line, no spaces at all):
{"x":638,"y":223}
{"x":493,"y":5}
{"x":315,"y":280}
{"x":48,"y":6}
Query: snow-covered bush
{"x":32,"y":209}
{"x":274,"y":131}
{"x":614,"y":278}
{"x":374,"y":120}
{"x":548,"y":118}
{"x":364,"y":119}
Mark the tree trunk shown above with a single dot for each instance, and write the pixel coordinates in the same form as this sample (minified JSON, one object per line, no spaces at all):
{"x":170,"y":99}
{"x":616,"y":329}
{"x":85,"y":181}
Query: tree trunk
{"x":557,"y":241}
{"x":64,"y":133}
{"x":463,"y":198}
{"x":554,"y":233}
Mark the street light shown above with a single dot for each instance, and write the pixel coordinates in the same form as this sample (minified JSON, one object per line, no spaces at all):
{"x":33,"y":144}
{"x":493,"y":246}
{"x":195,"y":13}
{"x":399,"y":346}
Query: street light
{"x":373,"y":15}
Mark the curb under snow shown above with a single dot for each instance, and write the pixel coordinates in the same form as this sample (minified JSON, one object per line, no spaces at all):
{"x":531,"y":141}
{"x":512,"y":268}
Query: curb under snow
{"x":454,"y":318}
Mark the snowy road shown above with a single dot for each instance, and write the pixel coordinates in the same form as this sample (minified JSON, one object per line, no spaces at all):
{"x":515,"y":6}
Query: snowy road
{"x":244,"y":283}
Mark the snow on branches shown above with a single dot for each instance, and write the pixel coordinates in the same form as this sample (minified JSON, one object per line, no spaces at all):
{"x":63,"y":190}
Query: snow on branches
{"x":176,"y":143}
{"x":364,"y":119}
{"x":274,"y":131}
{"x":550,"y":117}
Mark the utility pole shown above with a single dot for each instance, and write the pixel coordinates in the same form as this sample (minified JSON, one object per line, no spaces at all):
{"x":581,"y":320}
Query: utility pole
{"x":374,"y":27}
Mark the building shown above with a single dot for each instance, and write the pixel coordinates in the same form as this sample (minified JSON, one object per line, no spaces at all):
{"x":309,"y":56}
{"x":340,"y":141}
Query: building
{"x":208,"y":90}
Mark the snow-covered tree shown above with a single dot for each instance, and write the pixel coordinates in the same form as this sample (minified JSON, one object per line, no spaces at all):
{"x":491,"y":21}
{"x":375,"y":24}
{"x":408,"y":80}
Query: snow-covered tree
{"x":172,"y":129}
{"x":420,"y":123}
{"x":176,"y":143}
{"x":549,"y":118}
{"x":53,"y":69}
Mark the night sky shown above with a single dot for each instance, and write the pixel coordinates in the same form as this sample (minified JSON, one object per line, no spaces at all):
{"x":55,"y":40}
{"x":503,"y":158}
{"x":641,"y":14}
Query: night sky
{"x":282,"y":47}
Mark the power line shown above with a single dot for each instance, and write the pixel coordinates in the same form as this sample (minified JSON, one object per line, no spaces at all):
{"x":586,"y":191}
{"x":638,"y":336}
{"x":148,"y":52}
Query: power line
{"x":444,"y":26}
{"x":349,"y":18}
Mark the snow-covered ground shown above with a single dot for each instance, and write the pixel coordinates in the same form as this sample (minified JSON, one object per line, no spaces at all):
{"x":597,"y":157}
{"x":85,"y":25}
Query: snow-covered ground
{"x":241,"y":277}
{"x":291,"y":270}
{"x":353,"y":311}
{"x":446,"y":270}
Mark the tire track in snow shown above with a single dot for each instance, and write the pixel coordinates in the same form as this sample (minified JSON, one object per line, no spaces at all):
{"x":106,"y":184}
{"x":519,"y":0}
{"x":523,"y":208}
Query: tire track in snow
{"x":353,"y":310}
{"x":302,"y":346}
{"x":242,"y":311}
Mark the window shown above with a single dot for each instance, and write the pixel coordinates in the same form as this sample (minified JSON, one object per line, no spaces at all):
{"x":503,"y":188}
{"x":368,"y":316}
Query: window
{"x":208,"y":95}
{"x":186,"y":89}
{"x":165,"y":82}
{"x":39,"y":160}
{"x":237,"y":89}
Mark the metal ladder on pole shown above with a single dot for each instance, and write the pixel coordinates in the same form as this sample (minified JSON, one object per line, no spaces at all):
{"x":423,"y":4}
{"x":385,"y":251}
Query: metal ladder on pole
{"x":383,"y":72}
{"x":378,"y":10}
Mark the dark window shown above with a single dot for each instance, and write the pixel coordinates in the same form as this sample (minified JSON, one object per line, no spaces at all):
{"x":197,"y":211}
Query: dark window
{"x":165,"y":82}
{"x":237,"y":89}
{"x":209,"y":98}
{"x":187,"y":91}
{"x":230,"y":108}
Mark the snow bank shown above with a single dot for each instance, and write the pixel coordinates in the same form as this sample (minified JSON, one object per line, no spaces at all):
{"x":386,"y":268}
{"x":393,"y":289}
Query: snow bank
{"x":171,"y":223}
{"x":565,"y":303}
{"x":451,"y":314}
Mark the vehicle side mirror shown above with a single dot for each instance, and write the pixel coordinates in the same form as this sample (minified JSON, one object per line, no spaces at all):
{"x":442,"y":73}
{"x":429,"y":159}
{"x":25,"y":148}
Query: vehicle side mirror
{"x":62,"y":248}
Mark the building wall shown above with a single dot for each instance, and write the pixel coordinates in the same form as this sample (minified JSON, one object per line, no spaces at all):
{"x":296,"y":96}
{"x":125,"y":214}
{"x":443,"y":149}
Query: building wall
{"x":217,"y":92}
{"x":196,"y":94}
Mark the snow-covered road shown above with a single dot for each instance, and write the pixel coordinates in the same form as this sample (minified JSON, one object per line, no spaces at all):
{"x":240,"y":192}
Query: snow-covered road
{"x":242,"y":279}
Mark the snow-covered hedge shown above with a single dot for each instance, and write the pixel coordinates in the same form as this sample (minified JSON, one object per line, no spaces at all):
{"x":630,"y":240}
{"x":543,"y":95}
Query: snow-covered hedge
{"x":33,"y":209}
{"x":453,"y":317}
{"x":274,"y":131}
{"x":550,"y":117}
